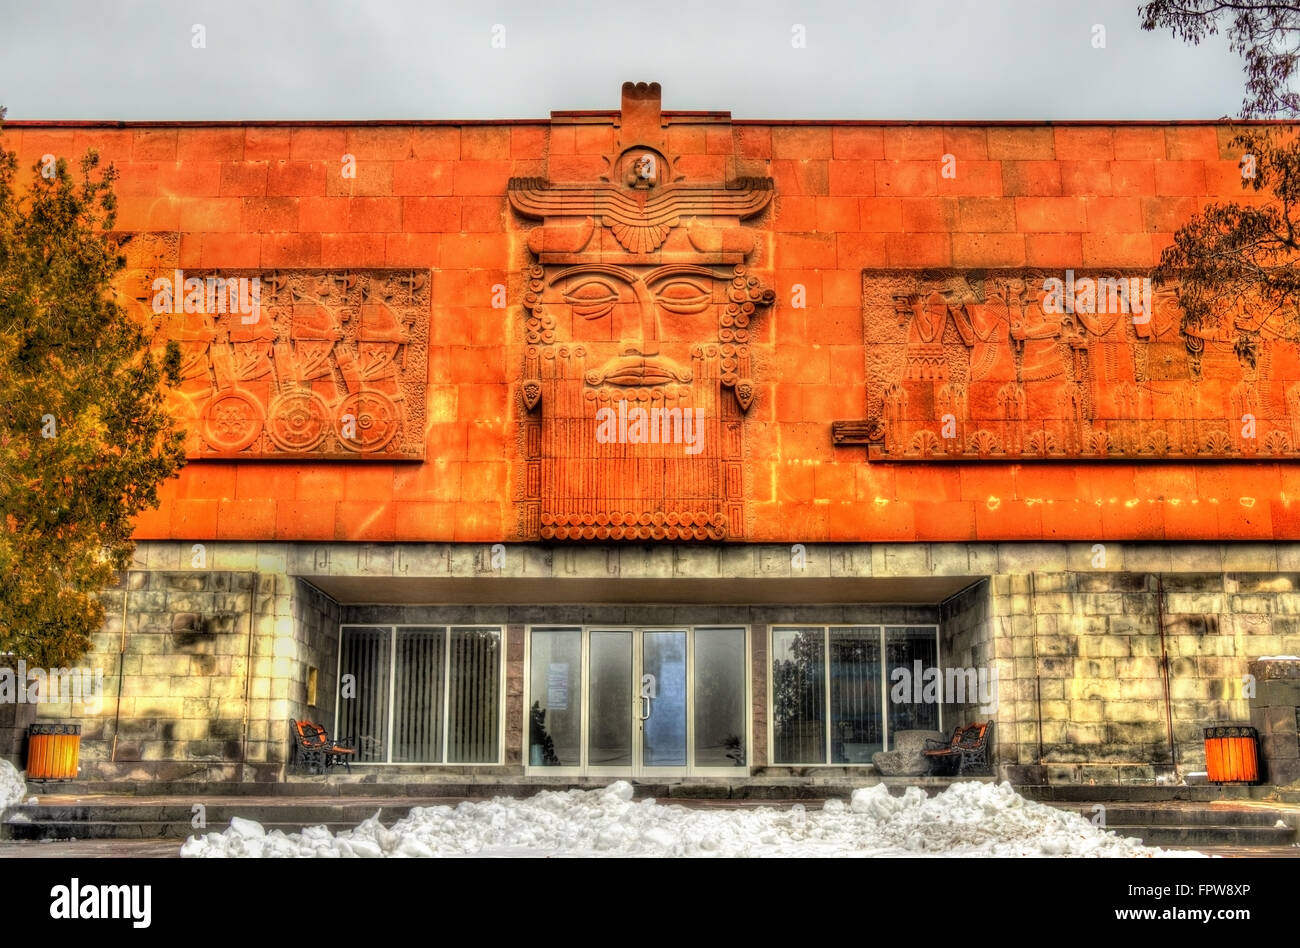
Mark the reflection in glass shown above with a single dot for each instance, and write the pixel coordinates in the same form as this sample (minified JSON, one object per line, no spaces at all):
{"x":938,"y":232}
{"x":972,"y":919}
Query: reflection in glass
{"x":720,"y":698}
{"x":856,"y":715}
{"x":555,"y":686}
{"x":904,"y":647}
{"x":364,"y":715}
{"x":664,"y":736}
{"x":609,"y":742}
{"x":798,"y":696}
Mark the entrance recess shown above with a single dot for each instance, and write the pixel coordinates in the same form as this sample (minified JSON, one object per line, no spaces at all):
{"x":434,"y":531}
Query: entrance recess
{"x":638,"y":702}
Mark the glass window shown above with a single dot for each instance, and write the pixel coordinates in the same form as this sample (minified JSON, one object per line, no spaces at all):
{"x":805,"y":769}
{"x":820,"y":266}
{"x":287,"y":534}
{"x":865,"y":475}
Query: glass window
{"x":831,"y":699}
{"x":913,"y":650}
{"x":609,"y":741}
{"x":799,"y":696}
{"x":363,"y":691}
{"x":856,"y":714}
{"x":720,"y":698}
{"x":418,"y":694}
{"x":555,"y":718}
{"x":446,"y":693}
{"x":473,"y":696}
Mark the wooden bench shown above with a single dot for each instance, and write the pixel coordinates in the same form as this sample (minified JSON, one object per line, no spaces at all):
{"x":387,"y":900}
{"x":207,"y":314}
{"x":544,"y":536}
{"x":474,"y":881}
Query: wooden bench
{"x":313,"y":750}
{"x":967,"y":752}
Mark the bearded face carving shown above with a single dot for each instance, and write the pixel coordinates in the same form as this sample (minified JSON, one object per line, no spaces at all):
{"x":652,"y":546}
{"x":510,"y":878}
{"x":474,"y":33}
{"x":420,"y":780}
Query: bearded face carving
{"x":638,"y":321}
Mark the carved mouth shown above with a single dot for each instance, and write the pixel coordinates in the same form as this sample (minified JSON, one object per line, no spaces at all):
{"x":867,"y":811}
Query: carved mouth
{"x":638,"y":371}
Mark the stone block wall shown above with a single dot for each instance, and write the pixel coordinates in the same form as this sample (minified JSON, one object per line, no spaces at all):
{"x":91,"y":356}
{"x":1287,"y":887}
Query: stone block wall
{"x":213,"y":664}
{"x":969,"y":641}
{"x":299,"y":631}
{"x":1275,"y":714}
{"x":174,"y":685}
{"x":14,"y":721}
{"x":1088,"y":668}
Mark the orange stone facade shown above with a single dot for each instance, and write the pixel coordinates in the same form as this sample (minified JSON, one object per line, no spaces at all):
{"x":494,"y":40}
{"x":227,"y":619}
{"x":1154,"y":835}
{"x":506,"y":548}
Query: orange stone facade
{"x":408,"y":274}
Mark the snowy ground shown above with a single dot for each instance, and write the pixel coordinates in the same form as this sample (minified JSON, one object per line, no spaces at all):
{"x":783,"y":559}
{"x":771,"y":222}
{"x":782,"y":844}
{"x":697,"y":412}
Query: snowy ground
{"x":967,"y":819}
{"x":12,"y":788}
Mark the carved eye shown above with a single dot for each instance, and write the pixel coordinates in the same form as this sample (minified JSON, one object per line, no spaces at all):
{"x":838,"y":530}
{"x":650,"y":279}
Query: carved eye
{"x":683,"y":298}
{"x":592,"y":299}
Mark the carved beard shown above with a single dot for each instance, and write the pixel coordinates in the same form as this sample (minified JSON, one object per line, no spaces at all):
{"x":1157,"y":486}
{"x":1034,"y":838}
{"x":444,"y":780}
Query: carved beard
{"x":628,"y":462}
{"x":678,"y":476}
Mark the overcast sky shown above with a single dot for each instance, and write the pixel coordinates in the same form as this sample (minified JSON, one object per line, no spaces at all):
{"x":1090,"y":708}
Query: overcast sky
{"x":424,"y":59}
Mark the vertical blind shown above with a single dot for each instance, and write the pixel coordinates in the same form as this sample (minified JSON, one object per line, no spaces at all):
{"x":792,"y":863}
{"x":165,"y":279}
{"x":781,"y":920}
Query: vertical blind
{"x":363,"y":691}
{"x":472,"y":706}
{"x":446,"y":687}
{"x":418,"y":695}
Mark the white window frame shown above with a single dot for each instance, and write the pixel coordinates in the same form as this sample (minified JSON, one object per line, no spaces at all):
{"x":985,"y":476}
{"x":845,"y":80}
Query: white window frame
{"x":501,"y":631}
{"x":881,"y":627}
{"x":637,"y":771}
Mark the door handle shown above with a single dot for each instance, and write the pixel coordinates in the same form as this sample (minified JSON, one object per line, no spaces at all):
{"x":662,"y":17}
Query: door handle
{"x":649,"y":688}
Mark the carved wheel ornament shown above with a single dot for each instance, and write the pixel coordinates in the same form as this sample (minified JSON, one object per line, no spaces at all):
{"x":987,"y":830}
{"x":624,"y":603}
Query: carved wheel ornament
{"x":377,"y":419}
{"x":232,"y":421}
{"x":299,"y":420}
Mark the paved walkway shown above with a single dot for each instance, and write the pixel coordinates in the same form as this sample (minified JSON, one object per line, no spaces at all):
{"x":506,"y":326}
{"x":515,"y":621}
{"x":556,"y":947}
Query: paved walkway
{"x":91,"y":849}
{"x":170,"y":849}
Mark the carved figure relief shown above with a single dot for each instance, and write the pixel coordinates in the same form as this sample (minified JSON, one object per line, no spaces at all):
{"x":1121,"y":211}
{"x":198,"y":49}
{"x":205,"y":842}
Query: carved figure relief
{"x":639,"y":305}
{"x":988,"y":365}
{"x":329,"y":364}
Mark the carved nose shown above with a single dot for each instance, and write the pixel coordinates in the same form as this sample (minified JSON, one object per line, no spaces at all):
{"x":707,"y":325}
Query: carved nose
{"x":648,"y":342}
{"x":638,"y":347}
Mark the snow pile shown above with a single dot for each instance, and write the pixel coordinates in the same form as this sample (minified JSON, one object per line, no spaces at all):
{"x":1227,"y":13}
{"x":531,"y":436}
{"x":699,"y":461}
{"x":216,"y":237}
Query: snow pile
{"x":967,"y":819}
{"x":12,"y":788}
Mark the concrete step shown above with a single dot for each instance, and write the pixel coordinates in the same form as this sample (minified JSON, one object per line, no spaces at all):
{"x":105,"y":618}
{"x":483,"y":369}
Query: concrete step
{"x":367,"y":782}
{"x":1136,"y":793}
{"x":1126,"y":814}
{"x":715,"y":788}
{"x":301,"y":814}
{"x":135,"y":829}
{"x":1208,"y":834}
{"x":1196,"y":825}
{"x":142,"y":818}
{"x":1168,"y":823}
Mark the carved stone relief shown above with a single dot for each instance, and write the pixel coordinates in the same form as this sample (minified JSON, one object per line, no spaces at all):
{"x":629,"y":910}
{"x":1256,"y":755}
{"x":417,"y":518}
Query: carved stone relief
{"x":989,"y":365}
{"x":322,"y":364}
{"x":639,"y":304}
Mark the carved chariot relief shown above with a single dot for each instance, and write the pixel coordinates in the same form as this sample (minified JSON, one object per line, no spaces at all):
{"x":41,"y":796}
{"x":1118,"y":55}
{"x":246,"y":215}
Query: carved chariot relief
{"x":639,"y":305}
{"x":987,"y":365}
{"x":329,"y":364}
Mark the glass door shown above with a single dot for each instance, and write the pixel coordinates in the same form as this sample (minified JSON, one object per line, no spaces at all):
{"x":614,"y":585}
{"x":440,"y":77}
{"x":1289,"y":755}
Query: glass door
{"x":636,"y":696}
{"x":610,"y":726}
{"x":663,"y":700}
{"x":637,"y":702}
